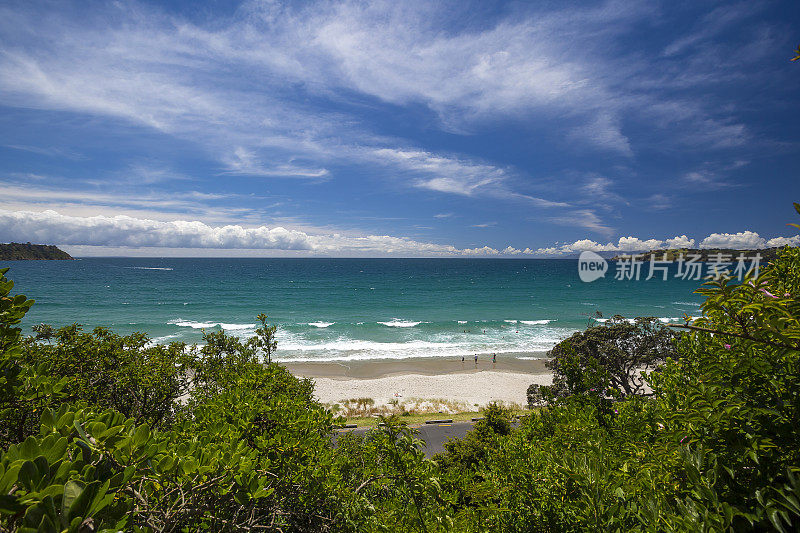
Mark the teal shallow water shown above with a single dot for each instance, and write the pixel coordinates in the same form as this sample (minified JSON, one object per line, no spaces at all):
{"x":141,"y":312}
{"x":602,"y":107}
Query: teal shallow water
{"x":345,"y":309}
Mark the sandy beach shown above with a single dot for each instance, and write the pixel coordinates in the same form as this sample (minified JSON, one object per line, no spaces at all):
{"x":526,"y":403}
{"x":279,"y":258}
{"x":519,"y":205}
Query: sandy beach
{"x":416,"y":382}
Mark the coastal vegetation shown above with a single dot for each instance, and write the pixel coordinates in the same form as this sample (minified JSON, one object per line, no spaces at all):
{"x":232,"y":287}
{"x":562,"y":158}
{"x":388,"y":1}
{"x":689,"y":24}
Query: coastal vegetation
{"x":102,"y":432}
{"x":15,"y":251}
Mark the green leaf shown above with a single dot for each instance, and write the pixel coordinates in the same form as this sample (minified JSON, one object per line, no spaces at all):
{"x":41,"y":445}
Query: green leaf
{"x":72,"y":490}
{"x":141,"y":435}
{"x":47,"y":418}
{"x":9,"y":505}
{"x":81,"y":505}
{"x":29,"y":449}
{"x":28,"y":475}
{"x":775,"y":519}
{"x":189,"y":465}
{"x":57,"y":451}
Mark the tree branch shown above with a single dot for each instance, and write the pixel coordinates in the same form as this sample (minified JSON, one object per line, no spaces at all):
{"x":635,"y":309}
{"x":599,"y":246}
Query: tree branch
{"x":732,"y":334}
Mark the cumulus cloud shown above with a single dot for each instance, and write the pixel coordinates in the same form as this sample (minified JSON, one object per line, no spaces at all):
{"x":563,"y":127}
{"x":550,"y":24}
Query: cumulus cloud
{"x":784,"y":241}
{"x":126,"y":231}
{"x":681,"y":241}
{"x":631,"y":244}
{"x":745,"y":240}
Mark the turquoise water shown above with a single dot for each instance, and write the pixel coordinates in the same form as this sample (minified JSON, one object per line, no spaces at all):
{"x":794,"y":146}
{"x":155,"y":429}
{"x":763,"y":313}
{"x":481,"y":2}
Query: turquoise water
{"x":345,"y":309}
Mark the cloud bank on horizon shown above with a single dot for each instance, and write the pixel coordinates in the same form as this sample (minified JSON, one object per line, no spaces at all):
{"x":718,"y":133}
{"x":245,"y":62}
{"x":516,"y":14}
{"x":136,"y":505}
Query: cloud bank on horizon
{"x":414,"y":128}
{"x":129,"y":232}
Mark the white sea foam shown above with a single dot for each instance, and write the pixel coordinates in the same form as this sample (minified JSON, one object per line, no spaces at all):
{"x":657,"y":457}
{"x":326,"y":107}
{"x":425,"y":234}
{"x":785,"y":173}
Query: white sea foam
{"x":511,"y":321}
{"x":160,"y":340}
{"x":296,"y":347}
{"x":397,"y":323}
{"x":536,"y":322}
{"x":151,"y":268}
{"x":462,"y":321}
{"x":321,"y":324}
{"x":200,"y":325}
{"x":687,"y":303}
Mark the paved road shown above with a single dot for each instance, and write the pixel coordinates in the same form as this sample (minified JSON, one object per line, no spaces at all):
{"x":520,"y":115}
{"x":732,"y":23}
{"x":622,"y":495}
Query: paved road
{"x":433,"y":435}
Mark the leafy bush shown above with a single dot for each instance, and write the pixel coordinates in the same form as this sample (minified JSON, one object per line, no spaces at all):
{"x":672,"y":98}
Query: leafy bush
{"x":609,"y":359}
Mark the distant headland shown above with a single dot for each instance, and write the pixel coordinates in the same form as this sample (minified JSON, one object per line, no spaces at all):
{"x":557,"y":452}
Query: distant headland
{"x":15,"y":251}
{"x":705,"y":254}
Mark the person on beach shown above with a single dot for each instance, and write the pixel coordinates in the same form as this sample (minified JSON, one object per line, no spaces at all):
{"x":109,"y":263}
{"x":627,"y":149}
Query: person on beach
{"x":462,"y":358}
{"x":476,"y":359}
{"x":494,"y":358}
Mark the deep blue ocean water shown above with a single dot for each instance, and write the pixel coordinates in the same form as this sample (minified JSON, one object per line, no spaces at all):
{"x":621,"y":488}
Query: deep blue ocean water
{"x":345,"y":309}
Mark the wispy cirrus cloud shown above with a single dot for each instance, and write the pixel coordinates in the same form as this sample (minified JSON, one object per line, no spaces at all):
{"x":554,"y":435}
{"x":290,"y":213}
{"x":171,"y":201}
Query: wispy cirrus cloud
{"x":452,"y":175}
{"x":246,"y":163}
{"x":174,"y":76}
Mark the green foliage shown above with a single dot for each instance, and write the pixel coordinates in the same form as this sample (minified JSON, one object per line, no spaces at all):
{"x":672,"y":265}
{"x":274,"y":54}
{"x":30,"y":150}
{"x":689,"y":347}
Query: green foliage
{"x":606,"y":360}
{"x":124,"y":373}
{"x":397,"y":488}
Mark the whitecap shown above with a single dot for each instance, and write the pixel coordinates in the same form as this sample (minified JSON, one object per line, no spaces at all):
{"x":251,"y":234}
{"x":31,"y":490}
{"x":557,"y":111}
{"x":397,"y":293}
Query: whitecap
{"x":200,"y":325}
{"x":397,"y":323}
{"x":321,"y":324}
{"x":536,"y":322}
{"x":151,"y":268}
{"x":160,"y":340}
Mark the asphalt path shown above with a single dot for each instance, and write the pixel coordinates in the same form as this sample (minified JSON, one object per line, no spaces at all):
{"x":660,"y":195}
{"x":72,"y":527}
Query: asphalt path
{"x":433,"y":435}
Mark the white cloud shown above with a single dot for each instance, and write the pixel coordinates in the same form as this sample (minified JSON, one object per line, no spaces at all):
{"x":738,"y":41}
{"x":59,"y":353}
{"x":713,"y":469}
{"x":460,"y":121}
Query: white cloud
{"x":245,"y":162}
{"x":604,"y":131}
{"x":583,"y":218}
{"x":632,"y":244}
{"x":510,"y":250}
{"x":125,"y":231}
{"x":485,"y":250}
{"x":681,"y":241}
{"x":784,"y":241}
{"x":453,"y":175}
{"x":229,"y":85}
{"x":745,"y":240}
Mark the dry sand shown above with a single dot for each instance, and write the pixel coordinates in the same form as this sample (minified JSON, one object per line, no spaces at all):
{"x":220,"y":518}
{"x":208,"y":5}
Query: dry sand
{"x":408,"y":381}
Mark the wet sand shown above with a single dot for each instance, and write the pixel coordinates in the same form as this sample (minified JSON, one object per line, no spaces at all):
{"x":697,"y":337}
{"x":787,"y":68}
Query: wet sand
{"x":427,"y":367}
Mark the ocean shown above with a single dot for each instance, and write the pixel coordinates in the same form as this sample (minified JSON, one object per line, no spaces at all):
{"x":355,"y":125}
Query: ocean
{"x":346,"y":309}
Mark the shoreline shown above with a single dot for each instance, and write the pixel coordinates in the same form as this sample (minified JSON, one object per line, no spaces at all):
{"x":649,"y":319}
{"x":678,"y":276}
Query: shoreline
{"x":425,"y":385}
{"x":379,"y":368}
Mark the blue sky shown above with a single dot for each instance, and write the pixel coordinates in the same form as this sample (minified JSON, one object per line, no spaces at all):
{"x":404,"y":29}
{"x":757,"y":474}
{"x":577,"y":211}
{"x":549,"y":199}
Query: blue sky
{"x":398,"y":128}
